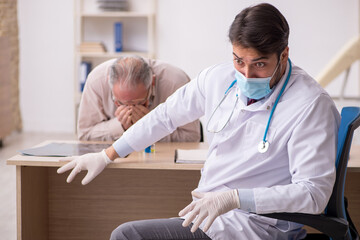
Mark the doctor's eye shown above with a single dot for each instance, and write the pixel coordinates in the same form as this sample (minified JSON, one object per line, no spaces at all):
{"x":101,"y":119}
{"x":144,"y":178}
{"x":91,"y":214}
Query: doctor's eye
{"x":260,"y":64}
{"x":238,"y":61}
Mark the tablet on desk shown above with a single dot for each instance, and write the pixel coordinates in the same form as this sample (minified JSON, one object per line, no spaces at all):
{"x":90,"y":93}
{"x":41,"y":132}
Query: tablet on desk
{"x":57,"y":149}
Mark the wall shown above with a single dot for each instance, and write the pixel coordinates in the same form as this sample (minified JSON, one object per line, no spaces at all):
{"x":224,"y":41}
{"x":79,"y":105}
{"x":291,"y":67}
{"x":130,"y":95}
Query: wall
{"x":199,"y":29}
{"x":190,"y":34}
{"x":46,"y":65}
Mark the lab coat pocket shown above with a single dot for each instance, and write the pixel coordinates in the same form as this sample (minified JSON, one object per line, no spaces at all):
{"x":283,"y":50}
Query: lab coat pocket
{"x":262,"y":221}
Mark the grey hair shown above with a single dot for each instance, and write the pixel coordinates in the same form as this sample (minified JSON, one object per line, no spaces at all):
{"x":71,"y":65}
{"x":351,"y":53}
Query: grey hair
{"x":131,"y":71}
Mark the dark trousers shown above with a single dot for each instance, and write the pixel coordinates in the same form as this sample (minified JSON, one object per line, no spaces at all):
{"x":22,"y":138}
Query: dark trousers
{"x":156,"y":229}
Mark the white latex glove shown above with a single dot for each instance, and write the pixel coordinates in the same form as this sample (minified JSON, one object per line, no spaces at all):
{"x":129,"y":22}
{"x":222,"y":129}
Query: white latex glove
{"x":94,"y":163}
{"x":211,"y":205}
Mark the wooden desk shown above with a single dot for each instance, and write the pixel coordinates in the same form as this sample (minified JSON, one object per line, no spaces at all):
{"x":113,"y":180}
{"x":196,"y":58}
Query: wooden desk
{"x":138,"y":187}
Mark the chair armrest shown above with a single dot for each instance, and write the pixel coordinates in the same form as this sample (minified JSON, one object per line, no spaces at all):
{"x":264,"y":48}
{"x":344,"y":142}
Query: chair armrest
{"x":331,"y":226}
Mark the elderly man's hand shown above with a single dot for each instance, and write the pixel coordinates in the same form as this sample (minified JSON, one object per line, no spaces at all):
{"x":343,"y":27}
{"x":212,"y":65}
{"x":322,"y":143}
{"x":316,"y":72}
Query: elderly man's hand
{"x":209,"y":205}
{"x":94,"y":163}
{"x":138,"y":111}
{"x":124,"y":114}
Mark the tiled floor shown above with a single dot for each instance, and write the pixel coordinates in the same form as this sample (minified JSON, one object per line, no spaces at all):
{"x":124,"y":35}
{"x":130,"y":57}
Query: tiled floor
{"x":11,"y":145}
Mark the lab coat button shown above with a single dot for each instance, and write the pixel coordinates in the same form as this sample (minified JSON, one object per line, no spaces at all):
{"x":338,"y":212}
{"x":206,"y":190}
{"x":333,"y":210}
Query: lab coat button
{"x":268,"y":107}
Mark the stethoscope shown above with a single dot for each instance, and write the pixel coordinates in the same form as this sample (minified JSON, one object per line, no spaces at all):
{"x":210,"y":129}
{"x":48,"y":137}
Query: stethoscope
{"x":263,"y":146}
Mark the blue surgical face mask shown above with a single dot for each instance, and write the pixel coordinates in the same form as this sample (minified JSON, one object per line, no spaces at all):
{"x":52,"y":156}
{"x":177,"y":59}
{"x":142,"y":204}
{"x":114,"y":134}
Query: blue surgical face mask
{"x":254,"y":88}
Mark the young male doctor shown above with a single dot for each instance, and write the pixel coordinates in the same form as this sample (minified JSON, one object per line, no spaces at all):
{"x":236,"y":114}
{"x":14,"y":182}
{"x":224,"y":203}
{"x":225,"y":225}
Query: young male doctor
{"x":272,"y":145}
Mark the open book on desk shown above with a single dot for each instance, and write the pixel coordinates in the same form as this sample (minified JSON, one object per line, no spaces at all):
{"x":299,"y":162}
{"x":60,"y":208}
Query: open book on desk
{"x":191,"y":156}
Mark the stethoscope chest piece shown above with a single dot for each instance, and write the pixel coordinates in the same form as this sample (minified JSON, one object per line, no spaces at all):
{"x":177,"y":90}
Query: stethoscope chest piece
{"x":263,"y":146}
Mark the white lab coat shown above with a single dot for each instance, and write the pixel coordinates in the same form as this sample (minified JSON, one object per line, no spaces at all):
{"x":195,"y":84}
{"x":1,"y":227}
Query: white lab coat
{"x":297,"y":172}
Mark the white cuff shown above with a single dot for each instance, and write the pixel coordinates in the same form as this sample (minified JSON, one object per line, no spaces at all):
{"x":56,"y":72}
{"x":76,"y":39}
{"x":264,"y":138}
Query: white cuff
{"x":122,"y":148}
{"x":105,"y":156}
{"x":246,"y":198}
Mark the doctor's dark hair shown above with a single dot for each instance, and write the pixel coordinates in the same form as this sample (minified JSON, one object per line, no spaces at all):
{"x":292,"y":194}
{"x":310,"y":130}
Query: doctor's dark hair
{"x":131,"y":71}
{"x":261,"y":27}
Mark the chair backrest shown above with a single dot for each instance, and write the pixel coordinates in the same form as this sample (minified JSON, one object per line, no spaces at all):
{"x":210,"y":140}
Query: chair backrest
{"x":201,"y":133}
{"x":350,"y":120}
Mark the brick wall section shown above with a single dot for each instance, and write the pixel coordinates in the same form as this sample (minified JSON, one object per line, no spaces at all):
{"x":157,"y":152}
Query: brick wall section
{"x":10,"y":118}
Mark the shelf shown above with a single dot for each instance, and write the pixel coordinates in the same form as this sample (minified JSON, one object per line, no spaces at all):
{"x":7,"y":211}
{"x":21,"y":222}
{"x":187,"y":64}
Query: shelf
{"x":95,"y":25}
{"x":116,"y":14}
{"x":112,"y":54}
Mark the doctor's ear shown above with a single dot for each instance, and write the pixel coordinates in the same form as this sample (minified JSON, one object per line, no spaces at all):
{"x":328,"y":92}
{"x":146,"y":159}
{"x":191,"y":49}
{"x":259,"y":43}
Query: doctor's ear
{"x":285,"y":55}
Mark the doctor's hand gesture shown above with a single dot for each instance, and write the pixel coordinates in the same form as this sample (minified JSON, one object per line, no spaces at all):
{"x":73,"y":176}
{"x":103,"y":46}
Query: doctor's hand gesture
{"x":94,"y":163}
{"x":209,"y":205}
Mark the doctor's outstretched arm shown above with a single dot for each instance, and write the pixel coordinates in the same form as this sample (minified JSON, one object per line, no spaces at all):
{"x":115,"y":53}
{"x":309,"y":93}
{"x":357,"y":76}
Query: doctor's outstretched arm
{"x":184,"y":106}
{"x":149,"y":129}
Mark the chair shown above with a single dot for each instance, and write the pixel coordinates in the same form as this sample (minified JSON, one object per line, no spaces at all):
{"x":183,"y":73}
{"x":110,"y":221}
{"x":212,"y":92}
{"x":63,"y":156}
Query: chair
{"x":335,"y":222}
{"x":201,"y":133}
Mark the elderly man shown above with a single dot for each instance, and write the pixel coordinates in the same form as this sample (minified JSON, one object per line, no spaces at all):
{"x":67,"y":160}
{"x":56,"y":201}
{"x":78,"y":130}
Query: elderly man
{"x":120,"y":91}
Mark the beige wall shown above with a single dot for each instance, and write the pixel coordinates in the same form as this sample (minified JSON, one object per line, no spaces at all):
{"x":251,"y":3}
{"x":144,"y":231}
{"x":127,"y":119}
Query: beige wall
{"x":9,"y":68}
